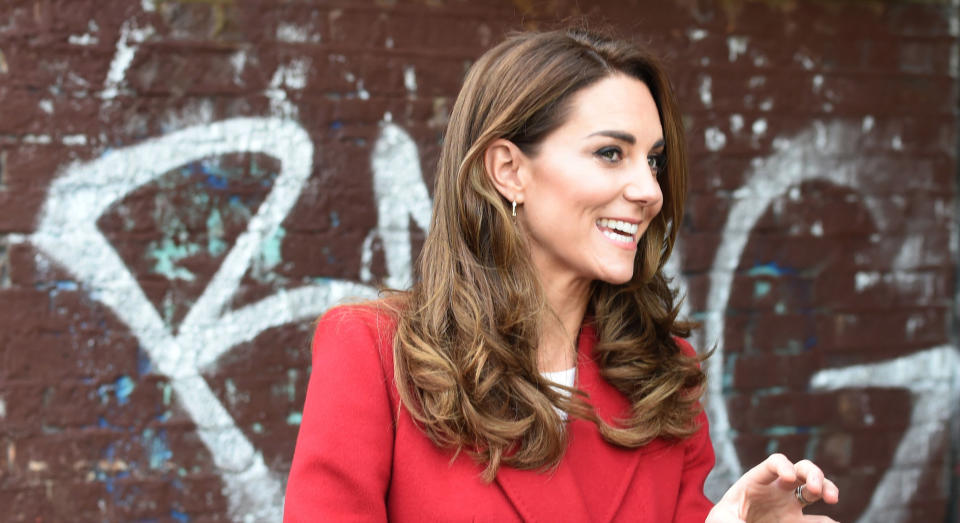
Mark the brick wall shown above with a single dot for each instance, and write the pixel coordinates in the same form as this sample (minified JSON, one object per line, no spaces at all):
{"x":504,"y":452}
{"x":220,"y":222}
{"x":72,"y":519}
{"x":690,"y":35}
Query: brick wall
{"x":185,"y":186}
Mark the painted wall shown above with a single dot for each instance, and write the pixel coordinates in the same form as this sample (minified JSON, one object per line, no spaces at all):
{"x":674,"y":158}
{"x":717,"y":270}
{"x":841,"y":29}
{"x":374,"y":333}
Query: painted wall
{"x":186,"y":185}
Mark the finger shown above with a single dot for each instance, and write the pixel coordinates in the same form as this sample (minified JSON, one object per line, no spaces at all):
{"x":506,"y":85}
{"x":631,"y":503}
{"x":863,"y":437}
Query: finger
{"x":775,"y":467}
{"x":831,"y":493}
{"x":812,"y":478}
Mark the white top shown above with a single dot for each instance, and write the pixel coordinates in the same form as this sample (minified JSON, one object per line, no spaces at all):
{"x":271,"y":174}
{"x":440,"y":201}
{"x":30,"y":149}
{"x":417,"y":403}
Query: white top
{"x":563,"y":377}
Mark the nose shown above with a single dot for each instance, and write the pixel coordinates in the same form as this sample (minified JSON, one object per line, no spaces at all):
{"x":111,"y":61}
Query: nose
{"x":642,"y":186}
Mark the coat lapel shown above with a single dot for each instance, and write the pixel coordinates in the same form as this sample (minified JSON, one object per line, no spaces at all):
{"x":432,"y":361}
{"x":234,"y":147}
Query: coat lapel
{"x":544,"y":496}
{"x":605,"y":471}
{"x":594,"y":476}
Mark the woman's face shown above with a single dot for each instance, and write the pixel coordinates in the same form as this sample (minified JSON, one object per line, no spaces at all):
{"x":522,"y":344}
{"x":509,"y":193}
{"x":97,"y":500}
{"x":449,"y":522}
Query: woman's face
{"x":591,"y":187}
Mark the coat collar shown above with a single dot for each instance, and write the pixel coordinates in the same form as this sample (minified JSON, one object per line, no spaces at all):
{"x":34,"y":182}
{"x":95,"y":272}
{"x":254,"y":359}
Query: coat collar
{"x":594,"y":476}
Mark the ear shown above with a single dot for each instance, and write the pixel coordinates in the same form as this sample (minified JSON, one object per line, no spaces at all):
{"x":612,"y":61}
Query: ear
{"x":502,"y":160}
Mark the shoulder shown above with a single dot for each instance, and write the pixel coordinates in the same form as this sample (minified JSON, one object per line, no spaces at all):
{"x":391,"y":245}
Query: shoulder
{"x":371,"y":318}
{"x":348,"y":334}
{"x":685,"y":347}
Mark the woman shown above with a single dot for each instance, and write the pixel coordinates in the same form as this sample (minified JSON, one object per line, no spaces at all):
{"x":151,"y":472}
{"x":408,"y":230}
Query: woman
{"x":536,"y":371}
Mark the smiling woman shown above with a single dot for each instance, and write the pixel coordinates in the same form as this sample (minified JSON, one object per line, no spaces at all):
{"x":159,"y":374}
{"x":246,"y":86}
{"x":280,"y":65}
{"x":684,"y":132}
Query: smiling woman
{"x":536,"y":370}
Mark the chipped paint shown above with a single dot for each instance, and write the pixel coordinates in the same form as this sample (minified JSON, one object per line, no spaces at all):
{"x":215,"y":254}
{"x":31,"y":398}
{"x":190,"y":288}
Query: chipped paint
{"x":292,"y":75}
{"x":293,"y":33}
{"x":736,"y":46}
{"x":696,"y":34}
{"x":804,"y":60}
{"x":131,"y":36}
{"x":736,"y":123}
{"x":410,"y":79}
{"x":74,"y":140}
{"x":817,"y":83}
{"x":239,"y":62}
{"x":759,"y":126}
{"x":706,"y":96}
{"x":37,"y":139}
{"x":714,"y":139}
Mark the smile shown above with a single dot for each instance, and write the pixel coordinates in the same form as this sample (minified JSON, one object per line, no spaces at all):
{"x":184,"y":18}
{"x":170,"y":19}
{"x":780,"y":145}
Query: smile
{"x":618,"y":230}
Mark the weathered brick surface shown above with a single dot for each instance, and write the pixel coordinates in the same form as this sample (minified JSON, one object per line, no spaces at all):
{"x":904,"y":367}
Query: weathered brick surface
{"x":822,"y":139}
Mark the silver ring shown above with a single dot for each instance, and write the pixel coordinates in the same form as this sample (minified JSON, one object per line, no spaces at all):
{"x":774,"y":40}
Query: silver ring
{"x":802,"y":500}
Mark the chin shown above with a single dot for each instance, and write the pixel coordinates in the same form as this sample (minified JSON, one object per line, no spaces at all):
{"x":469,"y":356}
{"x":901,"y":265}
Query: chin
{"x":618,"y":278}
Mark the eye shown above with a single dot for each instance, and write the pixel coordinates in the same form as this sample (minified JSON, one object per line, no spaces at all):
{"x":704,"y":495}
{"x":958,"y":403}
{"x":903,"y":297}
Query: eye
{"x":656,"y":162}
{"x":610,"y":154}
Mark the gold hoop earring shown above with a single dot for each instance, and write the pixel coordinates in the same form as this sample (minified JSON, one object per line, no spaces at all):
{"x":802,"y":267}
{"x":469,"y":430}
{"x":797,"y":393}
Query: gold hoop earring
{"x":513,"y":211}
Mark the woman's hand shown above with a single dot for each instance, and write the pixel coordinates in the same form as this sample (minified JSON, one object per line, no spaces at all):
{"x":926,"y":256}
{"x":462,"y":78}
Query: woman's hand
{"x":768,"y":493}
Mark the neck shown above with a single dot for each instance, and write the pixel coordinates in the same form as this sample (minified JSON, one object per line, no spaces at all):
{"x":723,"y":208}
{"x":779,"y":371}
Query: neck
{"x":567,"y":302}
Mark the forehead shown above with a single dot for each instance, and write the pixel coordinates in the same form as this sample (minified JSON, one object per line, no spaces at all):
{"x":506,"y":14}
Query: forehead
{"x":617,"y":102}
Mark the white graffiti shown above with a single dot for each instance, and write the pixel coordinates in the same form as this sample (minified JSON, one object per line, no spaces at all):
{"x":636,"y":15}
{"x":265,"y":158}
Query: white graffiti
{"x":794,"y":161}
{"x":933,"y":380}
{"x":67,"y":232}
{"x":400,"y":195}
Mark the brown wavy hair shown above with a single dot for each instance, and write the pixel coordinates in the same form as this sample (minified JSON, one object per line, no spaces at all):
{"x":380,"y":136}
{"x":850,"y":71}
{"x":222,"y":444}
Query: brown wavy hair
{"x":467,"y":331}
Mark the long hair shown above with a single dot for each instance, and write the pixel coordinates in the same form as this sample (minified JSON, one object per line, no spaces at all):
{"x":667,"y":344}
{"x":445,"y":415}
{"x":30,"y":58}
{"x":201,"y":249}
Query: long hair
{"x":467,"y":331}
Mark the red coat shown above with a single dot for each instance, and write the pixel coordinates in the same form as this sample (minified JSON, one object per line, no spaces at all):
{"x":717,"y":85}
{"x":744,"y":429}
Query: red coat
{"x":359,"y":456}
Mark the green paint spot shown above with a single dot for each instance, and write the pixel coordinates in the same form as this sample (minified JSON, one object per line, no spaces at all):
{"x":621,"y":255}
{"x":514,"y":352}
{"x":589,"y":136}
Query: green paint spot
{"x":291,"y":384}
{"x":231,"y":392}
{"x":270,"y":250}
{"x":167,"y":391}
{"x":169,"y":308}
{"x":156,"y":445}
{"x":123,"y":388}
{"x":257,"y":428}
{"x":780,"y":430}
{"x":255,"y":168}
{"x":167,"y":254}
{"x":761,"y":288}
{"x":215,"y":243}
{"x":294,"y":418}
{"x":762,"y":270}
{"x":200,"y":200}
{"x":780,"y":308}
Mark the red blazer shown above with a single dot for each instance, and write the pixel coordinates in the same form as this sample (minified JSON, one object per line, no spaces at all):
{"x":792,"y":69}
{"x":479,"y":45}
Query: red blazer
{"x":360,"y":457}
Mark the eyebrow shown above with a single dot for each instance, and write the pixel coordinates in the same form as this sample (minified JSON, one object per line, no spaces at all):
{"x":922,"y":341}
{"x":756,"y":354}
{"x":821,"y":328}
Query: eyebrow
{"x":617,"y":135}
{"x":626,"y":137}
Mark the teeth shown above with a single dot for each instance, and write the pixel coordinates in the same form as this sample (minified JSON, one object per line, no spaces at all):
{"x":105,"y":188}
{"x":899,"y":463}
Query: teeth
{"x":618,"y":225}
{"x":617,"y":237}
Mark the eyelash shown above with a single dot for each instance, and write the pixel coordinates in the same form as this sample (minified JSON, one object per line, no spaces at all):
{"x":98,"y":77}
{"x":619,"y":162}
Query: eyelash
{"x":604,"y":154}
{"x":657,"y":161}
{"x":661,"y":161}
